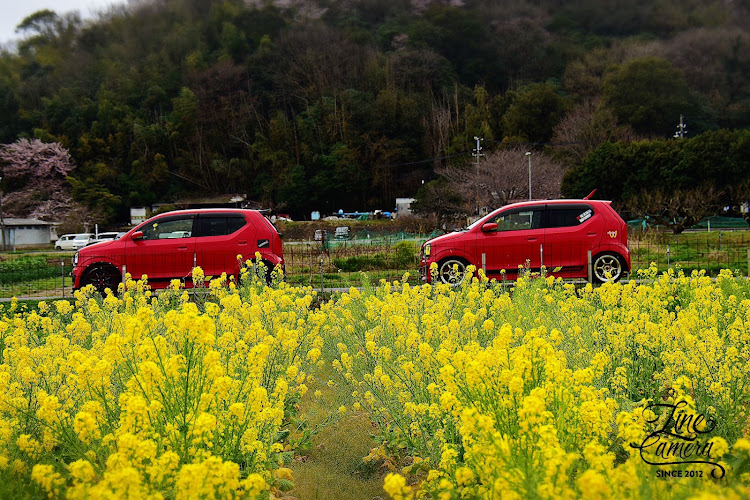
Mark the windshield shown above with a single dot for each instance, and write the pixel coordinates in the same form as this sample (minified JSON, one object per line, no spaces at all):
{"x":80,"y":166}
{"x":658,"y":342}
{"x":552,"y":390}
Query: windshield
{"x":473,"y":224}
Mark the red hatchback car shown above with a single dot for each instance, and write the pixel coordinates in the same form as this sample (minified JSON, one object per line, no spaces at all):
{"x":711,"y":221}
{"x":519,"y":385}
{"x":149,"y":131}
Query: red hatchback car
{"x":556,"y":234}
{"x":168,"y":246}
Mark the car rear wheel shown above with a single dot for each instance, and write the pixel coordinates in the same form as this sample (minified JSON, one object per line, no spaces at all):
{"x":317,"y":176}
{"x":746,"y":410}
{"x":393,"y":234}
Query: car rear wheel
{"x":263,"y":270}
{"x":608,"y":266}
{"x":452,"y":270}
{"x":102,"y":277}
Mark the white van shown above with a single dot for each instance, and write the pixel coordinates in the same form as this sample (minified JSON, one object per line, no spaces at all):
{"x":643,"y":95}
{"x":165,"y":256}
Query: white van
{"x":73,"y":241}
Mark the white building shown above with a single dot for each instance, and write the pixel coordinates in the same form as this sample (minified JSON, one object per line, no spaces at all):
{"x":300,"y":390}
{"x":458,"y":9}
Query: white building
{"x":403,"y":206}
{"x":137,"y":215}
{"x":26,"y":233}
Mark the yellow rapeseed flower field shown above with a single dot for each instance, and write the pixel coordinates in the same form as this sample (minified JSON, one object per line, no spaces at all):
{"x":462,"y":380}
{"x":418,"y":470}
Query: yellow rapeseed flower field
{"x":542,"y":390}
{"x":140,"y":396}
{"x":537,"y":389}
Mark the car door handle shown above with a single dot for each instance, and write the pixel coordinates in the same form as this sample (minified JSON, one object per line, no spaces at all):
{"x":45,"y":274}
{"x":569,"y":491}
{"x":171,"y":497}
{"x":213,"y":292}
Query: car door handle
{"x":592,"y":234}
{"x":532,"y":239}
{"x":182,"y":248}
{"x":242,"y":243}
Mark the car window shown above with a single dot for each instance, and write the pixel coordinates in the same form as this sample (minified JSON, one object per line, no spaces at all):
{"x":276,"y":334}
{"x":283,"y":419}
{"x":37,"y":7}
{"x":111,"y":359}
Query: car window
{"x":221,"y":225}
{"x":516,"y":220}
{"x":168,"y":229}
{"x":567,"y":216}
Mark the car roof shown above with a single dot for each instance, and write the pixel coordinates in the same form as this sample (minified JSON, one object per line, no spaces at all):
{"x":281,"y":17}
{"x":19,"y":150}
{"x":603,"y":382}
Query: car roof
{"x":561,"y":201}
{"x":194,"y":211}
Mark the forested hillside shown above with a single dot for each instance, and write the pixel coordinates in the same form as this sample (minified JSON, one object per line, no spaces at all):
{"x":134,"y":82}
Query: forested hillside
{"x":328,"y":104}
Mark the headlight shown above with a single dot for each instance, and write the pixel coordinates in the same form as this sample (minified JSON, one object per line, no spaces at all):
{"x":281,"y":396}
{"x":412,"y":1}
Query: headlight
{"x":427,"y":250}
{"x":75,"y":259}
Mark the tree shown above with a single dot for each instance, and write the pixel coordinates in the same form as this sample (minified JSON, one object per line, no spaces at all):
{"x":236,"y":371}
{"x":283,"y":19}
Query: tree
{"x":679,"y":209}
{"x":534,"y":113}
{"x":440,"y":198}
{"x":584,"y":128}
{"x":621,"y":171}
{"x":34,"y":173}
{"x":9,"y":105}
{"x":504,"y":177}
{"x":650,"y":94}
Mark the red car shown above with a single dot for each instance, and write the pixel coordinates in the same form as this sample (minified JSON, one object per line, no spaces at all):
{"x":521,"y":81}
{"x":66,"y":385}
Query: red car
{"x":556,"y":234}
{"x":168,"y":246}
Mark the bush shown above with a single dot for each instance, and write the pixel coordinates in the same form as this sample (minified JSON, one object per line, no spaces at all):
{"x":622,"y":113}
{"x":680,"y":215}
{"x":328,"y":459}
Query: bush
{"x":403,"y":256}
{"x":26,"y":268}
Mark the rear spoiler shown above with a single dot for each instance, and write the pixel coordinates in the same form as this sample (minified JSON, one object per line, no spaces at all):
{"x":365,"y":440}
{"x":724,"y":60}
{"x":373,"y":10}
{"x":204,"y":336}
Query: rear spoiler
{"x":588,"y":196}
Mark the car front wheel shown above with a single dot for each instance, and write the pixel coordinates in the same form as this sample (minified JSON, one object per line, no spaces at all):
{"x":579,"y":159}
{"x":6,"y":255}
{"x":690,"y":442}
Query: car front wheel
{"x":452,"y":271}
{"x":102,"y":277}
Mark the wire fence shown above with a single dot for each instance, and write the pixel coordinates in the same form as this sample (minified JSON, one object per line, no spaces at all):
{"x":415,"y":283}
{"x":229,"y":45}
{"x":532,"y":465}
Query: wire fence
{"x":711,"y":251}
{"x":339,"y":263}
{"x":36,"y":274}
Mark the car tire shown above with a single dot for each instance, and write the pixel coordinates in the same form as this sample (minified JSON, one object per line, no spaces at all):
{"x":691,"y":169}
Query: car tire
{"x":605,"y":263}
{"x":268,"y":269}
{"x":102,"y":276}
{"x":452,"y":270}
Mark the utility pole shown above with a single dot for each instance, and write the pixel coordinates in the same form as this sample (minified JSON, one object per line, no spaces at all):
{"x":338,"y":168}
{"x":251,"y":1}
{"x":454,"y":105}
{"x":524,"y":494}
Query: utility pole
{"x":681,"y":129}
{"x":477,"y":153}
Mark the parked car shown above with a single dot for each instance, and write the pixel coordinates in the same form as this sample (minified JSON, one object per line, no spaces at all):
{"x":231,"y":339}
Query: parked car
{"x":342,"y":233}
{"x":73,"y":241}
{"x":556,"y":234}
{"x":106,"y":236}
{"x":169,"y":245}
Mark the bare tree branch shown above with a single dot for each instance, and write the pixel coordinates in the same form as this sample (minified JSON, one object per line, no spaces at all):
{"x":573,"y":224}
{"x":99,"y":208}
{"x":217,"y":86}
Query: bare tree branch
{"x":679,"y":209}
{"x":503,"y":177}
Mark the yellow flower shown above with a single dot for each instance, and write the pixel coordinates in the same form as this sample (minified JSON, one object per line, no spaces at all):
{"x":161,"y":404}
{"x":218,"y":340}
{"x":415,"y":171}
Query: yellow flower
{"x":395,"y":486}
{"x":464,"y":476}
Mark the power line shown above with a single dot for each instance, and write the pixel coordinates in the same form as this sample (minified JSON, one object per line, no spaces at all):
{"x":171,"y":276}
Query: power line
{"x":465,"y":153}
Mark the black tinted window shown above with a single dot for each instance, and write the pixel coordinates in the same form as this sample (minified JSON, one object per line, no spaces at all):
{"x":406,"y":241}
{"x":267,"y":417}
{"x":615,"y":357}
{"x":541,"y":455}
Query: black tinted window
{"x":568,"y":216}
{"x":221,"y":225}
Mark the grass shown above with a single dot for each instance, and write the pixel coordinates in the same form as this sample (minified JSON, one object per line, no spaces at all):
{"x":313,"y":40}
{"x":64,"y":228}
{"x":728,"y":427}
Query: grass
{"x":334,"y":467}
{"x":711,"y":251}
{"x":35,"y":274}
{"x":47,"y":287}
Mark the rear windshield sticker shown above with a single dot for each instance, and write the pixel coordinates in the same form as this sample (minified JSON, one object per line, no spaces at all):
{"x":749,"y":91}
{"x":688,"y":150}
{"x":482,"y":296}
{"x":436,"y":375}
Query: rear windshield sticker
{"x":584,"y":216}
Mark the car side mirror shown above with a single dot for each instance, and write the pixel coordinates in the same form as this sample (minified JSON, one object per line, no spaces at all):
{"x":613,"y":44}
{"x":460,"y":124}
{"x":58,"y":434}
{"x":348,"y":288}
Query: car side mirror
{"x":138,"y":235}
{"x":490,"y":227}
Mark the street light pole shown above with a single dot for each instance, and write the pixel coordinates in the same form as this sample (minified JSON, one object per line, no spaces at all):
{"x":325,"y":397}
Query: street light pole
{"x":477,"y":153}
{"x":528,"y":153}
{"x":2,"y":221}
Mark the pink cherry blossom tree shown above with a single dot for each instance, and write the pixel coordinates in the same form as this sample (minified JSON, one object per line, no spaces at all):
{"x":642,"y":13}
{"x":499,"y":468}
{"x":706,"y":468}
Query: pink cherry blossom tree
{"x":34,"y":183}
